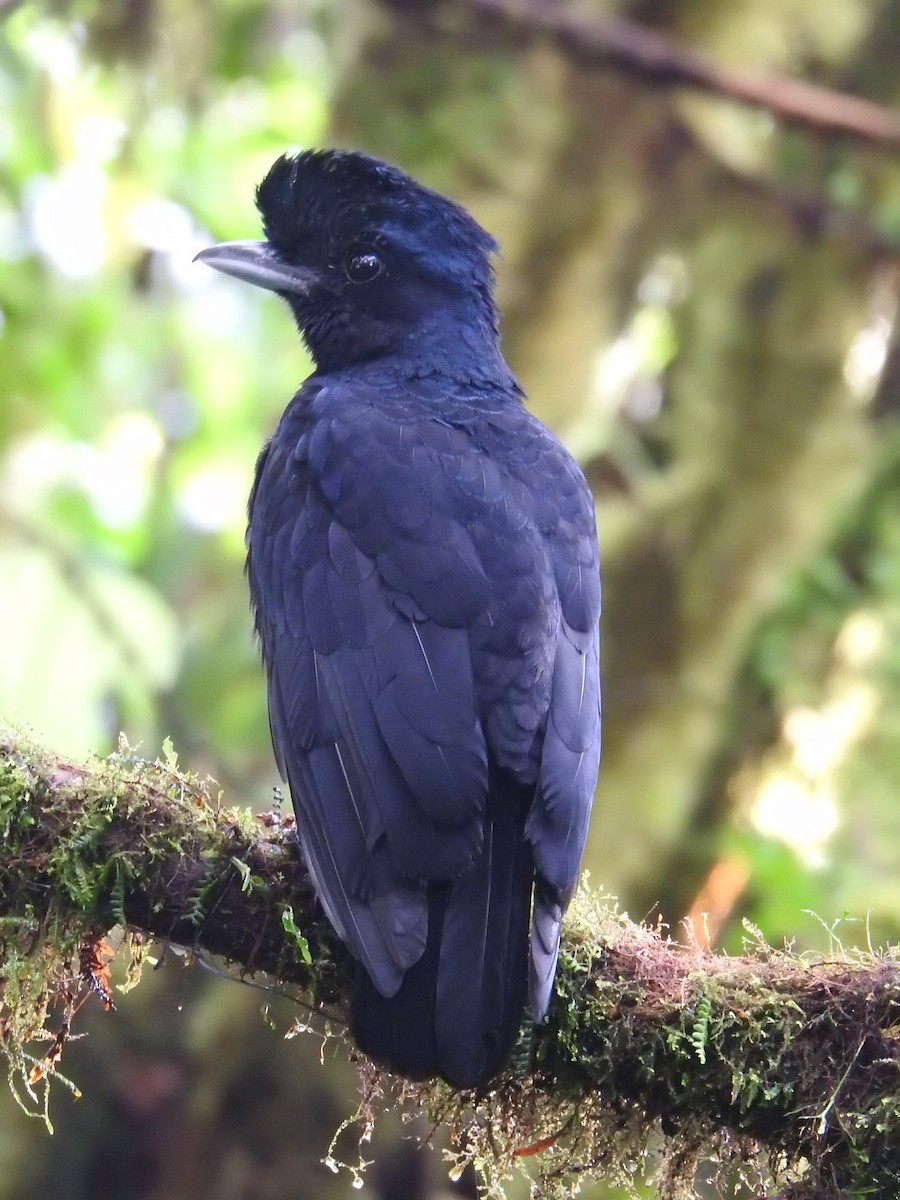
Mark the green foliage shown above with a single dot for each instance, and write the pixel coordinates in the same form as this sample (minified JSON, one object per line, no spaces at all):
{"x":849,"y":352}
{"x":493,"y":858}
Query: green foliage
{"x":298,"y":941}
{"x":700,"y":1028}
{"x":130,"y":417}
{"x":829,"y":647}
{"x":198,"y":897}
{"x":117,"y":893}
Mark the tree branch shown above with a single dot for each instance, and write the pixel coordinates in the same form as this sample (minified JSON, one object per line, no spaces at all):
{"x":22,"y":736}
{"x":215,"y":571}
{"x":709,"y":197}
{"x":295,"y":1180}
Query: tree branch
{"x":639,"y":50}
{"x":92,"y":842}
{"x":792,"y":1064}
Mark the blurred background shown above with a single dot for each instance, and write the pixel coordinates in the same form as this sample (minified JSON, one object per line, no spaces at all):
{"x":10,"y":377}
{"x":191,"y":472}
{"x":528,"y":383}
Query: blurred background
{"x":700,"y":298}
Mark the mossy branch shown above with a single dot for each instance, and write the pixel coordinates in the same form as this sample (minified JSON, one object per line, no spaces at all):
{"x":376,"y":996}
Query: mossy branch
{"x":771,"y":1063}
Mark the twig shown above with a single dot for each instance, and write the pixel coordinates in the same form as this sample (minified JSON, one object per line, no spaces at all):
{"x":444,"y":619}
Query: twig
{"x":637,"y":49}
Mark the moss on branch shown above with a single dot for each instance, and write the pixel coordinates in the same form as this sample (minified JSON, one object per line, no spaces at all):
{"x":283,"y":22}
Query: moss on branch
{"x":125,"y":841}
{"x":787,"y":1068}
{"x":145,"y":846}
{"x":777,"y":1067}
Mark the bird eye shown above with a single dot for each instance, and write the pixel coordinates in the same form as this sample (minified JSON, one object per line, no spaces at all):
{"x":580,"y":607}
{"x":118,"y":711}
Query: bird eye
{"x":362,"y":266}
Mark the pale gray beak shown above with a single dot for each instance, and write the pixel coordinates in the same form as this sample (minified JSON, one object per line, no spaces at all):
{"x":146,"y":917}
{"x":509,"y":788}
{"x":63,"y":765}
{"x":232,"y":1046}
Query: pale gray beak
{"x":259,"y":263}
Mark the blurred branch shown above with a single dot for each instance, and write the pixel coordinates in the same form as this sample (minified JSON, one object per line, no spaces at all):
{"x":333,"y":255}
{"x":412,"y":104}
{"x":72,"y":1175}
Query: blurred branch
{"x":720,"y":1055}
{"x":74,"y":572}
{"x":639,"y":50}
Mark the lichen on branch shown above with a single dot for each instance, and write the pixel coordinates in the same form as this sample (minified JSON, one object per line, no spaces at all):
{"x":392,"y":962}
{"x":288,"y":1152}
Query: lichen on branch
{"x":783,"y":1067}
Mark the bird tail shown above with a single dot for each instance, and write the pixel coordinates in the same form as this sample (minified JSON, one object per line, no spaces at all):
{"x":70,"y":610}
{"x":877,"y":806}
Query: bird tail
{"x":458,"y":1008}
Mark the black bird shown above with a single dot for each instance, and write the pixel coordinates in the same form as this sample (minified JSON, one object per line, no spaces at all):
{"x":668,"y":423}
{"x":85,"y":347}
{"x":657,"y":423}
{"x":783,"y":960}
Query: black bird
{"x":423,"y":567}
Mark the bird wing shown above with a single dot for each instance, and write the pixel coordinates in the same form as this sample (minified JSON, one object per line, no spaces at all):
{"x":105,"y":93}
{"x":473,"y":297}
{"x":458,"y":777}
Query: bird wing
{"x":362,"y":586}
{"x":570,"y":754}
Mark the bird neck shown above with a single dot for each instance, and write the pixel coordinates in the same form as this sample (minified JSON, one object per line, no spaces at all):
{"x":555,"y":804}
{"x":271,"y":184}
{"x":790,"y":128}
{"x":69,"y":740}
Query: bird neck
{"x":460,"y":345}
{"x":455,"y":347}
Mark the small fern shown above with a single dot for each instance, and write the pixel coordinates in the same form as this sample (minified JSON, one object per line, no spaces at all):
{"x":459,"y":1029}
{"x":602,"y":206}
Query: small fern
{"x":195,"y":905}
{"x":523,"y":1050}
{"x":700,"y":1028}
{"x":79,"y":884}
{"x":117,"y":896}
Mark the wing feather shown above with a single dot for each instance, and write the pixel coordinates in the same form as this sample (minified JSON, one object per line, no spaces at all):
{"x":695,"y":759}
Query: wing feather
{"x":372,"y":709}
{"x":418,"y":581}
{"x":558,"y":820}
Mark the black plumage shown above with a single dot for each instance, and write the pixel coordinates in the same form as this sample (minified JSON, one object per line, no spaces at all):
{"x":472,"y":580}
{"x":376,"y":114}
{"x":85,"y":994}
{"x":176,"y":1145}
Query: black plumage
{"x":423,"y":568}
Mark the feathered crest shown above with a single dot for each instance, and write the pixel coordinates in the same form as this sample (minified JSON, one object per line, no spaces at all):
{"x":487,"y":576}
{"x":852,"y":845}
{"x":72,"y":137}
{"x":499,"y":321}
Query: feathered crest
{"x":332,"y":196}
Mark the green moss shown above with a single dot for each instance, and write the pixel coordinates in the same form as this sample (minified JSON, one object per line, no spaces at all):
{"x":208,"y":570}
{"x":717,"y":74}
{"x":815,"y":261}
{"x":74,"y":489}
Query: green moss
{"x":656,"y":1056}
{"x":86,"y":847}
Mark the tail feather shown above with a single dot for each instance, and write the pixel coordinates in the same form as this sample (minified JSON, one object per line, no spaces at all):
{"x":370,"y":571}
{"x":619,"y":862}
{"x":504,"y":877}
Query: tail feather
{"x":482,"y":970}
{"x":458,"y":1009}
{"x":399,"y":1031}
{"x":545,"y":927}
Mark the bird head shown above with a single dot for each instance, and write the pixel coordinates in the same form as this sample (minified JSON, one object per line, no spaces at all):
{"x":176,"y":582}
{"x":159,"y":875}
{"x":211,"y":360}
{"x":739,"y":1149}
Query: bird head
{"x":370,"y":261}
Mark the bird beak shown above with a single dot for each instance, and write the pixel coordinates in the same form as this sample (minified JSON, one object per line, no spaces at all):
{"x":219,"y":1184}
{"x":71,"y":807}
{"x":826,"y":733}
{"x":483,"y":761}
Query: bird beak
{"x":259,"y":263}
